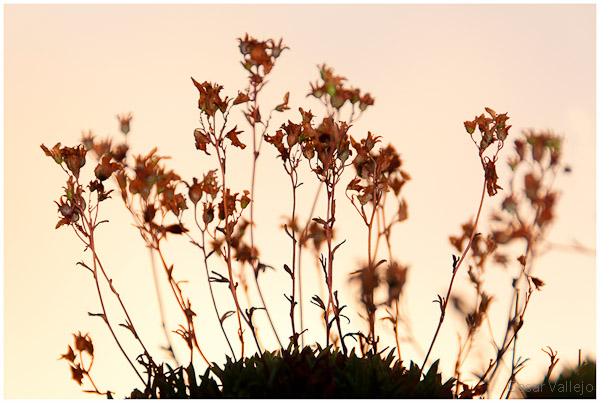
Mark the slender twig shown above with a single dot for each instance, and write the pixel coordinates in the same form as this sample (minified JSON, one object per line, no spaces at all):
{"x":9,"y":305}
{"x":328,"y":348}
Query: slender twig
{"x":444,"y":303}
{"x":300,"y":246}
{"x":514,"y":353}
{"x":370,"y":301}
{"x":529,"y":256}
{"x":254,"y":260}
{"x":212,"y":294}
{"x":293,"y":177}
{"x":105,"y":315}
{"x":169,"y":347}
{"x":139,"y":225}
{"x":227,"y":254}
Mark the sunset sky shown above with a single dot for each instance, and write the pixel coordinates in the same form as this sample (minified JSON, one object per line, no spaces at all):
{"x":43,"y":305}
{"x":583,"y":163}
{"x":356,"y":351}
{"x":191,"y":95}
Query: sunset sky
{"x":72,"y":68}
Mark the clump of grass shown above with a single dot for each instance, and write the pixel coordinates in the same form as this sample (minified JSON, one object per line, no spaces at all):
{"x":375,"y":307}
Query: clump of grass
{"x":222,"y":228}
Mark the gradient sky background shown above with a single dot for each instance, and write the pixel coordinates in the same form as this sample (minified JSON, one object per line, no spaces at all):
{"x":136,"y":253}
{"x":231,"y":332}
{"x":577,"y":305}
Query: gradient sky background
{"x":72,"y":68}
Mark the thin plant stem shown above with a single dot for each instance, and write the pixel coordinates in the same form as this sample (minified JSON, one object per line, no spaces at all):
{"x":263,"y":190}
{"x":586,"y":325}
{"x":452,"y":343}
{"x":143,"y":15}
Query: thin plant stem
{"x":232,"y":287}
{"x":514,"y":352}
{"x":139,"y":224}
{"x":95,"y":259}
{"x":396,"y":330}
{"x":514,"y":300}
{"x":370,"y":264}
{"x":302,"y":240}
{"x":329,"y":233}
{"x":87,"y":373}
{"x":179,"y":296}
{"x":494,"y":364}
{"x":212,"y":294}
{"x":444,"y":303}
{"x":92,"y":227}
{"x":253,"y":260}
{"x":161,"y":308}
{"x":293,"y":297}
{"x":227,"y":255}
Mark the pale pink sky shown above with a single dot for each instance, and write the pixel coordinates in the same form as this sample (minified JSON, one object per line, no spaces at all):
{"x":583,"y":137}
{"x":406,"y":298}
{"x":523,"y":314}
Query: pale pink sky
{"x":71,"y":68}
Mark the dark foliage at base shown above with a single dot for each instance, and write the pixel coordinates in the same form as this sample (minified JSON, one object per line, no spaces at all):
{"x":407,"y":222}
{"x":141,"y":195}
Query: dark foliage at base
{"x":307,"y":373}
{"x":572,"y":383}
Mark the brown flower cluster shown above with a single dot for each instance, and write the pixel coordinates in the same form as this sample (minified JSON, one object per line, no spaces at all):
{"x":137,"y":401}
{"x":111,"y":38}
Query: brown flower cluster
{"x":209,"y":187}
{"x":259,"y":56}
{"x":73,"y":157}
{"x":286,"y":138}
{"x":377,"y":171}
{"x":72,"y":203}
{"x":541,"y":145}
{"x":83,"y":344}
{"x":314,"y":232}
{"x":243,"y":252}
{"x":150,"y":176}
{"x":481,"y":247}
{"x":329,"y":142}
{"x":395,"y":278}
{"x":124,"y":121}
{"x":210,"y":101}
{"x":492,"y":130}
{"x":475,"y":318}
{"x":104,"y":147}
{"x":538,"y":159}
{"x":525,"y":213}
{"x":338,"y":94}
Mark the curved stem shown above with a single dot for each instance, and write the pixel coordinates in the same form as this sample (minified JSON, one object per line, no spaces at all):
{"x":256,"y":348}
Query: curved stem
{"x":444,"y":303}
{"x":515,"y":296}
{"x":95,"y":259}
{"x":161,"y":308}
{"x":139,"y":225}
{"x":179,"y":297}
{"x":227,"y":256}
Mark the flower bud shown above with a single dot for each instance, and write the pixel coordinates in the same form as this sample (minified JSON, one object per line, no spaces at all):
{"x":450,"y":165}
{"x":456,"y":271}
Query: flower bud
{"x":195,"y":192}
{"x":470,"y":126}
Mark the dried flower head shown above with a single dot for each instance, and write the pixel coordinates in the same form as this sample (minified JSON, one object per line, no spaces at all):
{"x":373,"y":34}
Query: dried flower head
{"x":124,"y":122}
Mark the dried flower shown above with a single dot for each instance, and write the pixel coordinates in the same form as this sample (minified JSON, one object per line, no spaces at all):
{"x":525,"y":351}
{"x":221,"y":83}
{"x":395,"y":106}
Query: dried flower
{"x":69,"y":356}
{"x":124,"y":122}
{"x":106,"y":168}
{"x":84,"y":343}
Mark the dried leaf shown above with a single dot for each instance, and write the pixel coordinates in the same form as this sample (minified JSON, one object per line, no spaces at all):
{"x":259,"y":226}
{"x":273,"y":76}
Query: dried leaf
{"x":241,"y":98}
{"x":318,"y":302}
{"x":176,"y":229}
{"x":537,"y":282}
{"x":288,"y":270}
{"x":225,"y":316}
{"x":77,"y":373}
{"x":218,"y":279}
{"x":402,"y":210}
{"x":70,"y":355}
{"x":201,"y":140}
{"x":232,"y":135}
{"x":284,"y":106}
